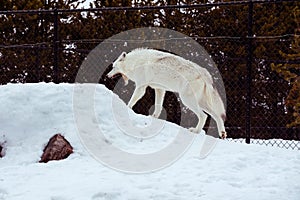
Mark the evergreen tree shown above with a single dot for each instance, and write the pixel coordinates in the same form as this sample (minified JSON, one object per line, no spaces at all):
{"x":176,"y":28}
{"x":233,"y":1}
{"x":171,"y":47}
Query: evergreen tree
{"x":290,"y":71}
{"x":27,"y":40}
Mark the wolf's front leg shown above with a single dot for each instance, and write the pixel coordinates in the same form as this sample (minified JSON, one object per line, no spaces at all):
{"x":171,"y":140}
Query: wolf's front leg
{"x":202,"y":117}
{"x":137,"y":95}
{"x":159,"y":99}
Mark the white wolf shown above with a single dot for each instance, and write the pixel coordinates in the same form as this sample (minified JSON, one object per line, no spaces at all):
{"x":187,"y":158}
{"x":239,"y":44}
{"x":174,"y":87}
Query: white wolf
{"x":167,"y":72}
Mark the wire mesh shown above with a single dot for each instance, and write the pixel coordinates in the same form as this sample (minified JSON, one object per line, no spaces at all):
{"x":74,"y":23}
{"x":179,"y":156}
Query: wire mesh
{"x":28,"y":48}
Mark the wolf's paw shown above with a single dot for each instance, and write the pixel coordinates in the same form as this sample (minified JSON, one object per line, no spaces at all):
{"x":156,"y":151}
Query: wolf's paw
{"x":194,"y":130}
{"x":223,"y":135}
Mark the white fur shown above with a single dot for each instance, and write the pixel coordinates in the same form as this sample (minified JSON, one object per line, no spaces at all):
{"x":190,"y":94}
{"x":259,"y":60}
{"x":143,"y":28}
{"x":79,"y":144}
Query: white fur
{"x":167,"y":72}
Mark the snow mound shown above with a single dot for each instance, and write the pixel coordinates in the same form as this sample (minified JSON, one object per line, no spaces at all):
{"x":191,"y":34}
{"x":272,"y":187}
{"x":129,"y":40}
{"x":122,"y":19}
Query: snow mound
{"x":32,"y":113}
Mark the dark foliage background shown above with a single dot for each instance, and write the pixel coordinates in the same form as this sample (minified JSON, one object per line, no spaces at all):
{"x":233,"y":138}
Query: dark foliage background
{"x":33,"y":50}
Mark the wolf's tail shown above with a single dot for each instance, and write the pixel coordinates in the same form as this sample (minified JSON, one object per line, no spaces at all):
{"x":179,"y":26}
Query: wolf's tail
{"x":214,"y":100}
{"x":208,"y":93}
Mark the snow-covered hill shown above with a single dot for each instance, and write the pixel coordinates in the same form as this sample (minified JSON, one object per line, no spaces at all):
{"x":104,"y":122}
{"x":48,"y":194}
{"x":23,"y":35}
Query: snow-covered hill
{"x":32,"y":113}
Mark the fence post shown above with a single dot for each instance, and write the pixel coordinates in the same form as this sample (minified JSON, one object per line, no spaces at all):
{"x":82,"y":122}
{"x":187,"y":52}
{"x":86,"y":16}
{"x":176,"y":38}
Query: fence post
{"x":37,"y":64}
{"x":249,"y":70}
{"x":55,"y":47}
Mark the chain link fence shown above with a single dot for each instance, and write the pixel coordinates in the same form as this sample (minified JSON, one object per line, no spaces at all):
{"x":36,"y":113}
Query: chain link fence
{"x":243,"y":38}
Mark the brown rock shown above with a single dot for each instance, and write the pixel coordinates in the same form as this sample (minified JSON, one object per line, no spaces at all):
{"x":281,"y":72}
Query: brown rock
{"x":1,"y":151}
{"x":58,"y":148}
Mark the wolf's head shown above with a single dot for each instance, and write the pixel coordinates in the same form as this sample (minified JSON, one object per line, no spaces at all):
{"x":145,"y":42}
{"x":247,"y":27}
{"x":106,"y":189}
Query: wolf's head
{"x":118,"y":67}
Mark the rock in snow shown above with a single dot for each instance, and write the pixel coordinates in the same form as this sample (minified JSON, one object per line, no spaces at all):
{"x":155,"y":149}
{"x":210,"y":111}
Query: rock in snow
{"x":2,"y":148}
{"x":34,"y":112}
{"x":58,"y":148}
{"x":1,"y":151}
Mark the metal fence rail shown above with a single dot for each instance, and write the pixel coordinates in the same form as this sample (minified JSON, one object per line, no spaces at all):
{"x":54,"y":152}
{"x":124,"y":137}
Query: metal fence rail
{"x":50,"y":45}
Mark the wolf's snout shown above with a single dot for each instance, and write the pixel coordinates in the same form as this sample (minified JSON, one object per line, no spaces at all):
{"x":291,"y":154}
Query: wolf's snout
{"x":111,"y":74}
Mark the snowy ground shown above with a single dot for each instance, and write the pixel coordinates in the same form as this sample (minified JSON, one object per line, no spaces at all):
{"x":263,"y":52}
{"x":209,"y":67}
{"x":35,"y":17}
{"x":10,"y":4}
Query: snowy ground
{"x":32,"y":113}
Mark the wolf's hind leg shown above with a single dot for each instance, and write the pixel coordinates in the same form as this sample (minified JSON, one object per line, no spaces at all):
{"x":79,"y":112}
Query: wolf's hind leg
{"x":159,"y":99}
{"x":137,"y":95}
{"x":221,"y":127}
{"x":220,"y":119}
